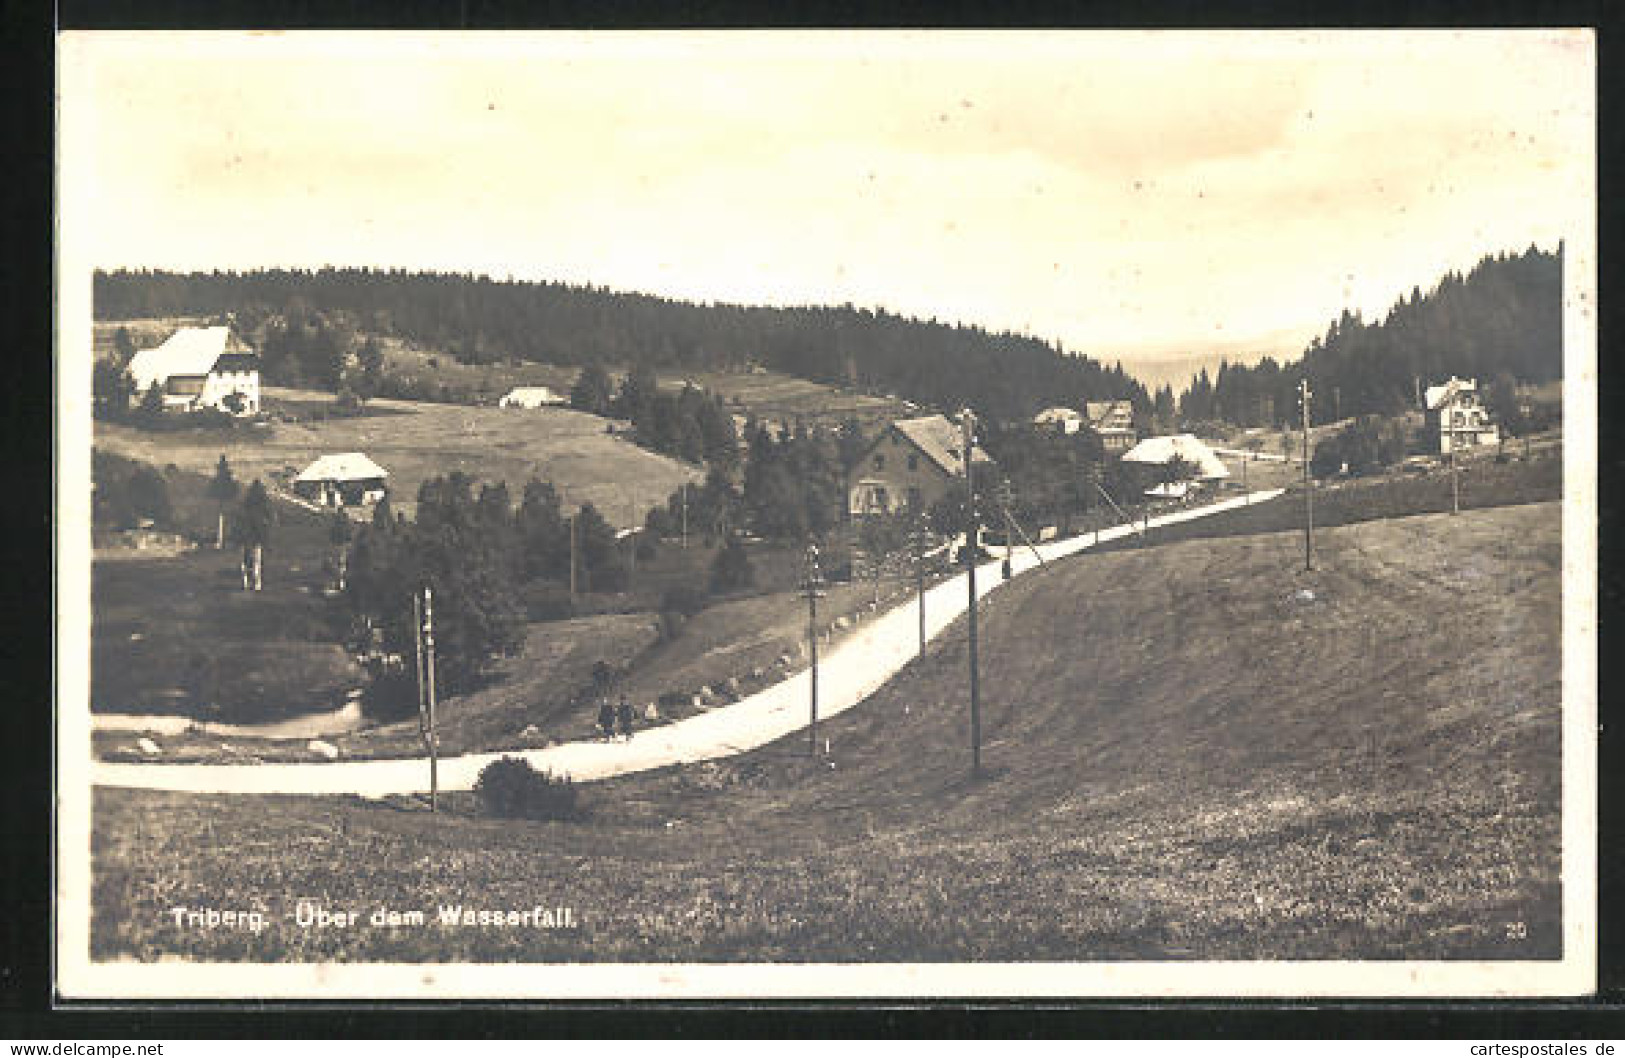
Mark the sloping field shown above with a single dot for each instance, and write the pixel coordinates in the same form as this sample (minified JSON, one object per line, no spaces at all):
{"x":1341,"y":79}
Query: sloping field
{"x":418,"y":440}
{"x":777,"y":397}
{"x":1191,"y":751}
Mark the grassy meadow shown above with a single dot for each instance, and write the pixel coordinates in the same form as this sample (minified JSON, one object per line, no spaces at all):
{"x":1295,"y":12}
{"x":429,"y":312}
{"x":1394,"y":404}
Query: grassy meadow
{"x":1192,"y":751}
{"x":416,"y":440}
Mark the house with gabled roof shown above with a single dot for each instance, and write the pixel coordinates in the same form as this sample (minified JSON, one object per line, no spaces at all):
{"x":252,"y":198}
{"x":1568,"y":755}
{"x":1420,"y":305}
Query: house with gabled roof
{"x":1455,"y":412}
{"x":346,"y":479}
{"x":197,"y":368}
{"x":910,"y":466}
{"x":1113,"y":420}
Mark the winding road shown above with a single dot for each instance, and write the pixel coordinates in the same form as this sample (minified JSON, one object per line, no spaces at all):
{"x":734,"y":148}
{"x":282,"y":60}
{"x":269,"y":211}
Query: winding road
{"x":854,"y":669}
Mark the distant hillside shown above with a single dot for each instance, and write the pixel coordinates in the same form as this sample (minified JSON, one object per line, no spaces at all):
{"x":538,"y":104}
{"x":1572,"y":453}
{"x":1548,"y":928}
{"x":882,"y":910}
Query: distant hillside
{"x":1504,"y":318}
{"x":483,"y":320}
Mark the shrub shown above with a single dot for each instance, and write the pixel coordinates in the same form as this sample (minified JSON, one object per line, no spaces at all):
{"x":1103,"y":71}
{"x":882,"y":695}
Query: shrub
{"x":731,"y":571}
{"x":685,"y":599}
{"x":511,"y":788}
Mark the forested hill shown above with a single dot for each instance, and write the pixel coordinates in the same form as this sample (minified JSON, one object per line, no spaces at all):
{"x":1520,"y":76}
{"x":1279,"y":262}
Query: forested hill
{"x":1504,"y":319}
{"x":481,"y":320}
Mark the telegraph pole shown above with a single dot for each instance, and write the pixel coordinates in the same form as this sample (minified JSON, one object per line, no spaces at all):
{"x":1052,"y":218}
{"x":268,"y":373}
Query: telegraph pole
{"x":1308,"y":483}
{"x":812,"y":584}
{"x":919,"y":543}
{"x":1455,"y":481}
{"x":572,"y":560}
{"x":431,"y":736}
{"x":685,"y":514}
{"x":967,"y":423}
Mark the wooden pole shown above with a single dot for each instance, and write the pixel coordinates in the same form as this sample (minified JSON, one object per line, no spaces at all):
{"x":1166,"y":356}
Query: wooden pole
{"x":434,"y":738}
{"x":572,"y":560}
{"x":811,"y":579}
{"x":1308,"y":485}
{"x":968,"y":429}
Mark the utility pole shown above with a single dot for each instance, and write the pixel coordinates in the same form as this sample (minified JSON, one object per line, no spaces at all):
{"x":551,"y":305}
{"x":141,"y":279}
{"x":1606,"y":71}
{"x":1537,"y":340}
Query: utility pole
{"x":1005,"y":496}
{"x":1455,"y":485}
{"x":685,"y":514}
{"x":812,"y":583}
{"x":572,"y":561}
{"x":430,"y":735}
{"x":918,"y":539}
{"x":1308,"y":482}
{"x":967,"y":424}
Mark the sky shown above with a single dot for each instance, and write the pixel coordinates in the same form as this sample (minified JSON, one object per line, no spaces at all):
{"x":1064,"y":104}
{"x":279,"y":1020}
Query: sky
{"x":1134,"y":196}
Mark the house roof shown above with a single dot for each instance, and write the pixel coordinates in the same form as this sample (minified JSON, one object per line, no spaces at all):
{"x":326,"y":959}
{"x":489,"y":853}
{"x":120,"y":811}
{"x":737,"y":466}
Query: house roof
{"x":345,"y":466}
{"x":1096,"y":410}
{"x":189,"y":351}
{"x":532,"y":393}
{"x":1437,"y":395}
{"x":1185,"y":446}
{"x":939,"y":440}
{"x":1057,"y":414}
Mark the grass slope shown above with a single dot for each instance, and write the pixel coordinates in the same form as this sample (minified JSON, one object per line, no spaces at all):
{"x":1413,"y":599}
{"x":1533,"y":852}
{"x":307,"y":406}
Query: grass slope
{"x":420,"y":440}
{"x":1187,"y":758}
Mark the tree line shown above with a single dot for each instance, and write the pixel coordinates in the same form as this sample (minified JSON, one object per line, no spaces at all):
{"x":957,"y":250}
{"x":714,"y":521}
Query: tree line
{"x":1502,"y":319}
{"x":482,"y":320}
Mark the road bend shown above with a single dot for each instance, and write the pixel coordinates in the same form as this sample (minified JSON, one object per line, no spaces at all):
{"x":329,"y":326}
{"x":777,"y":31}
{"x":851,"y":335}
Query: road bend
{"x":848,"y":673}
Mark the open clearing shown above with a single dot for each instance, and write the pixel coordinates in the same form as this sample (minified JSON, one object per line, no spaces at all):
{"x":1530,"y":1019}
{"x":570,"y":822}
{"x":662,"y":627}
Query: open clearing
{"x":1195,"y":750}
{"x":417,"y":440}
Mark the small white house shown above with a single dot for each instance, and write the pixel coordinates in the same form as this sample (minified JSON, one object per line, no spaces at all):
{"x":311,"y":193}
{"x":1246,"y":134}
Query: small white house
{"x":348,"y":479}
{"x":195,"y":368}
{"x":531,"y":397}
{"x":1456,"y":412}
{"x":1066,"y":420}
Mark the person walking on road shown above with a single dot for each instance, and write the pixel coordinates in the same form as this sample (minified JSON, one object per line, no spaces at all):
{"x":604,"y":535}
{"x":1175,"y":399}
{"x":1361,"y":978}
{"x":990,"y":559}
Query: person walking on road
{"x":623,"y":716}
{"x":606,"y":718}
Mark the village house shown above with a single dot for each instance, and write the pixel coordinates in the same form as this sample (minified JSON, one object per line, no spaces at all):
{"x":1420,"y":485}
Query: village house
{"x":348,"y":479}
{"x":1456,"y":413}
{"x":1066,"y":420}
{"x":910,"y":467}
{"x":1201,"y":462}
{"x":532,"y":397}
{"x":197,"y":368}
{"x":1113,"y":420}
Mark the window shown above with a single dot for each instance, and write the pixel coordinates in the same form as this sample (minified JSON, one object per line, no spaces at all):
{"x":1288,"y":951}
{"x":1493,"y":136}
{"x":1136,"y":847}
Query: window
{"x":915,"y":500}
{"x":913,"y":461}
{"x":880,"y":461}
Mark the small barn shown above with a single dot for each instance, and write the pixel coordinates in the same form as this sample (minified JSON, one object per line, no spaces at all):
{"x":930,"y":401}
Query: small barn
{"x":532,"y":397}
{"x":348,"y":479}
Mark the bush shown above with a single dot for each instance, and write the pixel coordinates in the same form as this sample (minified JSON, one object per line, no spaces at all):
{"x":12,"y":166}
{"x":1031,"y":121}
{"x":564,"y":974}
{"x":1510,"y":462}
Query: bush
{"x":685,"y":599}
{"x":731,"y":571}
{"x":511,"y":788}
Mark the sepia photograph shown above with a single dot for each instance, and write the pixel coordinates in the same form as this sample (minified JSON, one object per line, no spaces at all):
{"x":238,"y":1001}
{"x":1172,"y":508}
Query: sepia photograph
{"x":797,"y":514}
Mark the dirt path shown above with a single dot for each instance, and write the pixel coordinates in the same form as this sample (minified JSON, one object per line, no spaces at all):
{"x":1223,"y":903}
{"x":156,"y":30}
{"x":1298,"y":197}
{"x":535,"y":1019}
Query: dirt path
{"x":848,"y":674}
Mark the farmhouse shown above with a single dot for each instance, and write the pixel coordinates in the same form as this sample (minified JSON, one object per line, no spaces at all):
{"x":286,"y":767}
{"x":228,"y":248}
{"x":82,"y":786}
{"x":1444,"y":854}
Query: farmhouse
{"x":200,"y":367}
{"x":531,"y":397}
{"x":1202,"y":463}
{"x":1065,"y":420}
{"x":910,"y":466}
{"x":1113,"y":420}
{"x":349,"y":479}
{"x":1457,"y":414}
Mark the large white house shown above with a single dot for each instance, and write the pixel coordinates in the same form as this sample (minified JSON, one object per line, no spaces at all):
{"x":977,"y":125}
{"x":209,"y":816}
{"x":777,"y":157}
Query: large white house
{"x":1200,"y":460}
{"x":197,"y":367}
{"x":1457,"y":413}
